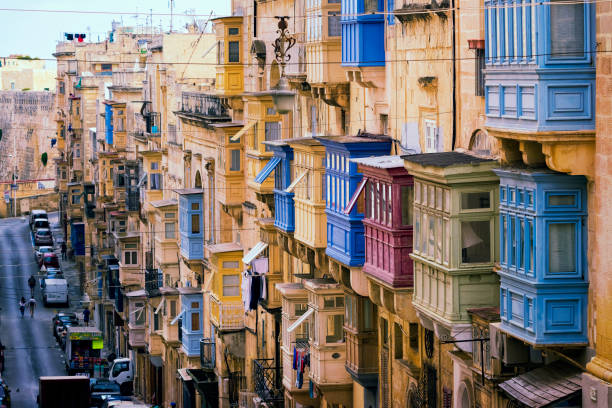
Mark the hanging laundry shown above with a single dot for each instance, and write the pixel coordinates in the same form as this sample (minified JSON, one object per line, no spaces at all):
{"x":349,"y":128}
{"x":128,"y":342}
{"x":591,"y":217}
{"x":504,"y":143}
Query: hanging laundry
{"x":246,"y":291}
{"x":264,"y":288}
{"x":259,"y":266}
{"x":69,"y":37}
{"x":255,"y":291}
{"x":53,"y":142}
{"x":81,"y":37}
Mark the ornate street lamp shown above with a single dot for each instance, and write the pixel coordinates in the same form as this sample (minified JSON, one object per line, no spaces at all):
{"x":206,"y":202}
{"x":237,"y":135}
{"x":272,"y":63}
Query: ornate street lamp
{"x":283,"y":97}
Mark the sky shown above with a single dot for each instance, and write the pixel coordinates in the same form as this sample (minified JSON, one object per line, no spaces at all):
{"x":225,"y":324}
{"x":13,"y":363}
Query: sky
{"x":37,"y":33}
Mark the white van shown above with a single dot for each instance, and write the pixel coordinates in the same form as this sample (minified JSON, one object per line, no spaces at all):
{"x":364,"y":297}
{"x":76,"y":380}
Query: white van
{"x":55,"y":291}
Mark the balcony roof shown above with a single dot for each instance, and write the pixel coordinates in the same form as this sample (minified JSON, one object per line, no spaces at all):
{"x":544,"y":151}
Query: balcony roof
{"x":444,"y":159}
{"x":188,"y":191}
{"x":361,"y":138}
{"x":163,"y":203}
{"x":489,"y":314}
{"x":381,"y":162}
{"x":189,"y":290}
{"x":288,"y":289}
{"x":137,"y":293}
{"x":226,"y":247}
{"x":321,"y":284}
{"x":166,"y":291}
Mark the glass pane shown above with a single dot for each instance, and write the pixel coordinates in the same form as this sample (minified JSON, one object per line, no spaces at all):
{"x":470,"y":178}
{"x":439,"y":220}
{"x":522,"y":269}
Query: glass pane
{"x":562,"y":247}
{"x":504,"y":248}
{"x":475,"y":241}
{"x":446,"y":241}
{"x":333,"y":26}
{"x":195,"y":206}
{"x":566,"y":29}
{"x":230,"y":264}
{"x":476,"y":200}
{"x":235,"y":163}
{"x":335,"y":332}
{"x":512,"y":253}
{"x":170,"y":234}
{"x":234,"y":51}
{"x":195,"y":223}
{"x":531,"y":254}
{"x":195,"y":322}
{"x":521,"y":242}
{"x":417,"y":230}
{"x":432,"y":235}
{"x":562,"y":200}
{"x":406,"y":204}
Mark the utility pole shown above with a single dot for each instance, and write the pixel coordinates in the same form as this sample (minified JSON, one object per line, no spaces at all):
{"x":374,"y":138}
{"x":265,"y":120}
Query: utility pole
{"x":171,"y":10}
{"x":14,"y":181}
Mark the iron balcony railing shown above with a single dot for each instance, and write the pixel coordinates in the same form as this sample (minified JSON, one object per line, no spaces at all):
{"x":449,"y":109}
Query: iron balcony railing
{"x":268,"y":379}
{"x":203,"y":104}
{"x":207,"y":353}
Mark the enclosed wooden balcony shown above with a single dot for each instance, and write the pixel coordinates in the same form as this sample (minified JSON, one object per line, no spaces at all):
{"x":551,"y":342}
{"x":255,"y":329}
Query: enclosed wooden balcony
{"x":226,"y":315}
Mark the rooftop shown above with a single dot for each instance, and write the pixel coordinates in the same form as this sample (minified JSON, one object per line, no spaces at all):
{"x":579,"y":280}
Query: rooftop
{"x":163,"y":203}
{"x":187,"y":191}
{"x":444,"y":159}
{"x":381,"y":162}
{"x":226,"y":247}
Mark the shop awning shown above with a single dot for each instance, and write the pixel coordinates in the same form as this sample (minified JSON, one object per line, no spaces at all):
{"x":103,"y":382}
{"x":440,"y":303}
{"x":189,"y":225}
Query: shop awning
{"x":295,"y":182}
{"x":242,"y":131}
{"x":156,"y":361}
{"x":267,"y":170}
{"x":544,"y":386}
{"x":301,"y":320}
{"x":356,"y":194}
{"x":254,"y":252}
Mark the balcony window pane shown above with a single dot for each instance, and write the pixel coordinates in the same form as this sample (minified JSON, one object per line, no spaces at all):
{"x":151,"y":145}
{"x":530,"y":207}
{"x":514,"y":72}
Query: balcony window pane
{"x":446,"y":240}
{"x":333,"y":26}
{"x":476,"y":200}
{"x":424,"y":238}
{"x":371,"y":6}
{"x":432,"y":235}
{"x":531,"y":254}
{"x":335,"y":332}
{"x":368,"y":314}
{"x":235,"y":163}
{"x":170,"y":230}
{"x":562,"y":200}
{"x":566,"y":29}
{"x":406,"y":204}
{"x":562,"y":247}
{"x":512,"y":254}
{"x":195,"y":321}
{"x":349,"y":312}
{"x":231,"y":285}
{"x":504,"y":238}
{"x":195,"y":223}
{"x":417,"y":230}
{"x":272,"y":132}
{"x":475,"y":241}
{"x":234,"y":51}
{"x":521,"y":244}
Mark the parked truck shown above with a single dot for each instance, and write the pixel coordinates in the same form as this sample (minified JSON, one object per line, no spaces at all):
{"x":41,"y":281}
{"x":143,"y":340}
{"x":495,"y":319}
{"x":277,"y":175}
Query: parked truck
{"x":83,"y":350}
{"x":63,"y":391}
{"x":122,"y":372}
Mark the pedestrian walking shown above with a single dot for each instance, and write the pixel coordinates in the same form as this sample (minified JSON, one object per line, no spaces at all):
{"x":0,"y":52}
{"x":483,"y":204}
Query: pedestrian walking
{"x":22,"y":305}
{"x":86,"y":314}
{"x":64,"y":249}
{"x":32,"y":285}
{"x":32,"y":306}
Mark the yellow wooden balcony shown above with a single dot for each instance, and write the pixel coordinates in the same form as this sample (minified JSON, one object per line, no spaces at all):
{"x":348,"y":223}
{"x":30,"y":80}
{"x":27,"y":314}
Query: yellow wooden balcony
{"x":229,"y":167}
{"x":308,"y":185}
{"x":226,"y":315}
{"x":230,"y":58}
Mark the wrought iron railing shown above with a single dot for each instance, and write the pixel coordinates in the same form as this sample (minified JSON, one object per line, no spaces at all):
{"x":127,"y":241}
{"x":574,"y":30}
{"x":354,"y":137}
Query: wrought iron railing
{"x":203,"y":104}
{"x":268,"y":379}
{"x":152,"y":281}
{"x":207,"y":353}
{"x":236,"y":383}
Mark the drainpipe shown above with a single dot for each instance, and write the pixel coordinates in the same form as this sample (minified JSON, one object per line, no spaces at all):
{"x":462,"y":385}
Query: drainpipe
{"x":454,"y":59}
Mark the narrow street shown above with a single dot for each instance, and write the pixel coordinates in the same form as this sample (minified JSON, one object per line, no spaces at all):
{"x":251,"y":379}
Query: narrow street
{"x":31,"y":350}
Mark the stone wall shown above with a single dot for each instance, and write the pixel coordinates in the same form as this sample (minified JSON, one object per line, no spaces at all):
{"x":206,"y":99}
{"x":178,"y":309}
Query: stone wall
{"x":26,"y":120}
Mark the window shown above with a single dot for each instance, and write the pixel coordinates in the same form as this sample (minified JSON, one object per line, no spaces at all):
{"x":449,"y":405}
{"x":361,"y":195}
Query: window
{"x":154,"y":166}
{"x":335,"y":333}
{"x":76,"y":196}
{"x":172,"y":308}
{"x":130,"y":257}
{"x":195,"y":321}
{"x":334,"y":29}
{"x":431,"y":142}
{"x":562,"y":247}
{"x":480,"y":76}
{"x":413,"y":340}
{"x":371,"y":6}
{"x":170,"y":230}
{"x":272,"y":132}
{"x":231,"y":285}
{"x":233,"y":51}
{"x":156,"y":181}
{"x":475,"y":241}
{"x":230,"y":264}
{"x":504,"y":248}
{"x":171,"y":215}
{"x":195,"y":206}
{"x":118,"y":368}
{"x":195,"y":223}
{"x":521,"y":244}
{"x":235,"y":160}
{"x":475,"y":201}
{"x":399,"y":341}
{"x":417,"y":230}
{"x":562,"y":200}
{"x":233,"y":31}
{"x":406,"y":193}
{"x":139,"y":313}
{"x":106,"y":67}
{"x":566,"y":29}
{"x":384,"y":332}
{"x":155,"y":321}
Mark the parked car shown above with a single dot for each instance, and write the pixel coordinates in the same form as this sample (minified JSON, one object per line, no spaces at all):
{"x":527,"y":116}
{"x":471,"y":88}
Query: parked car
{"x":52,"y":273}
{"x":101,"y":388}
{"x":117,"y":401}
{"x":55,"y":291}
{"x":41,"y":251}
{"x":49,"y":260}
{"x":43,"y":237}
{"x":34,"y":214}
{"x":40,"y":223}
{"x":63,"y":316}
{"x":63,"y":324}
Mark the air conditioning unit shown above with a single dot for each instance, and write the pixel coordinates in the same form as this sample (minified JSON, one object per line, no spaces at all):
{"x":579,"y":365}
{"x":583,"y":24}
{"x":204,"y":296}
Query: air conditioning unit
{"x":506,"y":348}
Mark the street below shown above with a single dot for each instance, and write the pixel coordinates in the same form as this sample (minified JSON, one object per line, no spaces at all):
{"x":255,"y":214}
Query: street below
{"x":31,"y":349}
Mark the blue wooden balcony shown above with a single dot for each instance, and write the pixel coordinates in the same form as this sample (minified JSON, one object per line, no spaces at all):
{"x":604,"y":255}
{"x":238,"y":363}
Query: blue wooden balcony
{"x":108,"y":123}
{"x":543,"y":297}
{"x":191,"y":224}
{"x":192,"y":320}
{"x":540,"y":72}
{"x":363,"y":35}
{"x":345,"y":231}
{"x":284,"y":207}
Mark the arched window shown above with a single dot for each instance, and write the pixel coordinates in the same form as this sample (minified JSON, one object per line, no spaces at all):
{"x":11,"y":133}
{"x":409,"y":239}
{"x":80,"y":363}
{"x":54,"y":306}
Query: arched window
{"x":480,"y":143}
{"x":198,"y":180}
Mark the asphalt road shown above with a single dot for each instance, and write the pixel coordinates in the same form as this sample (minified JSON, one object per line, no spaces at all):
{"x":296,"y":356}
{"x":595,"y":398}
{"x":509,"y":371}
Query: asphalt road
{"x":31,"y":349}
